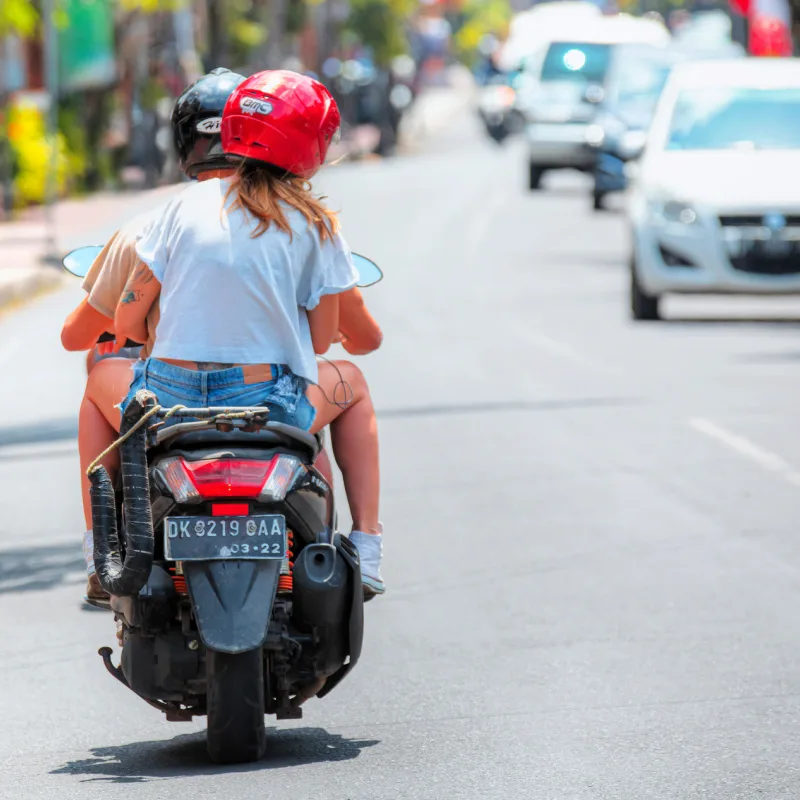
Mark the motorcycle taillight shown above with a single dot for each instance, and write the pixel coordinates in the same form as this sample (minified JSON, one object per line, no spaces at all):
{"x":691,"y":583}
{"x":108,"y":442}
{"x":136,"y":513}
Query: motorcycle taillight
{"x":176,"y":478}
{"x":220,"y":478}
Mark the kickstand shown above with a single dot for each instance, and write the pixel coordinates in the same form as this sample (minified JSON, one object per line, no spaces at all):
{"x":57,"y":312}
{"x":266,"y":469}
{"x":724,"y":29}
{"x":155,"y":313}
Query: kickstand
{"x":105,"y":653}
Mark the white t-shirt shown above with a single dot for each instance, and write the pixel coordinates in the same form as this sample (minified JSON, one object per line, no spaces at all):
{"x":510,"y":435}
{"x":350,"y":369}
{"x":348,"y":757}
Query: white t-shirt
{"x":231,"y":298}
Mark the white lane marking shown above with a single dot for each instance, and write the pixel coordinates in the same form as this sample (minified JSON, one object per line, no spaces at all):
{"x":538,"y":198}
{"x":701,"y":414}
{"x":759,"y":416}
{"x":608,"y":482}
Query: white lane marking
{"x":764,"y":458}
{"x":562,"y":349}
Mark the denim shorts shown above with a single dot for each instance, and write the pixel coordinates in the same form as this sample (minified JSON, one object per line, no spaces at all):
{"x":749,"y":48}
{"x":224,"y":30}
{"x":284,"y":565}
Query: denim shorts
{"x":284,"y":395}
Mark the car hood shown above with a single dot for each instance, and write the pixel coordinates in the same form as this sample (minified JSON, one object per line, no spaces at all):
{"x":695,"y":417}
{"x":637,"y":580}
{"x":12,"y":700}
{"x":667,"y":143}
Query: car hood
{"x":730,"y":179}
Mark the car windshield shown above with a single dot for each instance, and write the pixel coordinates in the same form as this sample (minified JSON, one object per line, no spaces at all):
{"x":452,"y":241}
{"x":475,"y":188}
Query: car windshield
{"x":725,"y":118}
{"x":576,"y":61}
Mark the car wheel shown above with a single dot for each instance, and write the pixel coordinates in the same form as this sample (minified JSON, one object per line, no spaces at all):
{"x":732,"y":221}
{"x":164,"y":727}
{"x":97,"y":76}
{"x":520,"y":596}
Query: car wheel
{"x":598,"y":201}
{"x":643,"y":306}
{"x":535,"y":174}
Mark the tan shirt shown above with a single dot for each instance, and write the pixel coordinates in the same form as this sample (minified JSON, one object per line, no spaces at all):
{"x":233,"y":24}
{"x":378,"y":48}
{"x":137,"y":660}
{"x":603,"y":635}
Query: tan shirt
{"x":106,"y":279}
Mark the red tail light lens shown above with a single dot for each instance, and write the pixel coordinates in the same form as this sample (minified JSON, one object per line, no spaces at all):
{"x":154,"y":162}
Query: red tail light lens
{"x":218,"y":479}
{"x":229,"y":477}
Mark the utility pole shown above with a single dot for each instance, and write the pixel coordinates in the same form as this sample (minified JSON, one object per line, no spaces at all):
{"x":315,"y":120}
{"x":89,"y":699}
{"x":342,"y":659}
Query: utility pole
{"x":274,"y":51}
{"x":51,"y":83}
{"x":5,"y":145}
{"x":218,"y":42}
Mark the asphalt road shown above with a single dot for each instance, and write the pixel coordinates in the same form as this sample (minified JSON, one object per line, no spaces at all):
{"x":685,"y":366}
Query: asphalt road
{"x":592,"y":543}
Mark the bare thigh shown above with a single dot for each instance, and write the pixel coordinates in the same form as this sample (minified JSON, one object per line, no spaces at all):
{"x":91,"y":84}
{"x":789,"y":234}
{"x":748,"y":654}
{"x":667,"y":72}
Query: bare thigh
{"x":108,"y":385}
{"x":341,"y":384}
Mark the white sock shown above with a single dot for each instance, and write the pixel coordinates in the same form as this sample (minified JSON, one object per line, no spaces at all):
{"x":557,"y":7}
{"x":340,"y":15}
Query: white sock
{"x":370,"y":551}
{"x":88,"y":552}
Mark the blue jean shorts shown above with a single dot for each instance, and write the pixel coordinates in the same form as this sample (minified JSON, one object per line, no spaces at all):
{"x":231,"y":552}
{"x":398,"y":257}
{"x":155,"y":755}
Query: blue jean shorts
{"x":284,"y":395}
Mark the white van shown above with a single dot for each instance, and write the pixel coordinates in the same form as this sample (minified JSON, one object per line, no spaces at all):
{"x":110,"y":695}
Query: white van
{"x":562,"y":82}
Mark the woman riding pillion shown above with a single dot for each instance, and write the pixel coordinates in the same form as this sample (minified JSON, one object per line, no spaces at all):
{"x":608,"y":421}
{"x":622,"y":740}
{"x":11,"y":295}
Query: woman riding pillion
{"x":249,"y":271}
{"x":196,"y":122}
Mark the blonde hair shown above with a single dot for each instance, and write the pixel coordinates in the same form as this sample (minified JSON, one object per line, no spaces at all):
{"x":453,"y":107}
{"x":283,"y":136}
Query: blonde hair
{"x":263,"y":192}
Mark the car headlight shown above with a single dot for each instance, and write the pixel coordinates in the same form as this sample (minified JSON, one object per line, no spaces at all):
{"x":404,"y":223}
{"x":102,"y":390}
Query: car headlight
{"x":674,"y":211}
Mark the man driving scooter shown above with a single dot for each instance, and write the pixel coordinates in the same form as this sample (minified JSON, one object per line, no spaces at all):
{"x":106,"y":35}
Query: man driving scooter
{"x":196,"y":126}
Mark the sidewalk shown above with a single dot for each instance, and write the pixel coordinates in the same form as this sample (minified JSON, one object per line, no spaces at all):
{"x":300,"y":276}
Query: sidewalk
{"x":24,"y":271}
{"x":92,"y":220}
{"x":436,"y":107}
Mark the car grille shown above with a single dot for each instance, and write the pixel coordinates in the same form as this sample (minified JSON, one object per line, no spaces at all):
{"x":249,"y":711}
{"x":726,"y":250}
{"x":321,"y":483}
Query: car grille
{"x":761,"y":264}
{"x":763,"y":244}
{"x":753,"y":220}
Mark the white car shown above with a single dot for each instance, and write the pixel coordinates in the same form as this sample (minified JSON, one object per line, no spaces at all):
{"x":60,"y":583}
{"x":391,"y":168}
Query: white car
{"x":715,"y":205}
{"x":562,"y":82}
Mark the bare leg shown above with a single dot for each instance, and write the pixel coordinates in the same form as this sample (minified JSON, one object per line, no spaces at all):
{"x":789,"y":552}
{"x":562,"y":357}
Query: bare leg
{"x":99,"y":419}
{"x":354,"y":435}
{"x":94,"y":435}
{"x":323,"y":465}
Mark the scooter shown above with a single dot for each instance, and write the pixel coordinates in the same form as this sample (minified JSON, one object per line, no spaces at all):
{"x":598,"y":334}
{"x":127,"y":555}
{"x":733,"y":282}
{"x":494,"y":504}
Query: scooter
{"x":235,"y":594}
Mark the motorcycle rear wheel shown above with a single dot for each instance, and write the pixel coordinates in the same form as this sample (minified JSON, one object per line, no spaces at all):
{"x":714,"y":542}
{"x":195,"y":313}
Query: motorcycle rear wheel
{"x":235,"y":706}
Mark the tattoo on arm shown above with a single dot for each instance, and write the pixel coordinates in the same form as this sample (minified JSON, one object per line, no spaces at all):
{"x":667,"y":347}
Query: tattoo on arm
{"x":131,"y":296}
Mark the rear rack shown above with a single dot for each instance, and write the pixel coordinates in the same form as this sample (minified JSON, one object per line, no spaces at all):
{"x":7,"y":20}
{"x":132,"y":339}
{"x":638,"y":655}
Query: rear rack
{"x":228,"y":420}
{"x":225,"y":420}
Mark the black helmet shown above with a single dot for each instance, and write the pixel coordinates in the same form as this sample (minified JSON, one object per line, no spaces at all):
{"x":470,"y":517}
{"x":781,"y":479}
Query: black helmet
{"x":196,"y":121}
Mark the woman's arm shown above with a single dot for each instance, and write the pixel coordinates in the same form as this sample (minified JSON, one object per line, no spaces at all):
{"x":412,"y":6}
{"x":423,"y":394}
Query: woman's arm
{"x":324,"y":322}
{"x":84,"y":326}
{"x":130,"y":319}
{"x":360,"y":333}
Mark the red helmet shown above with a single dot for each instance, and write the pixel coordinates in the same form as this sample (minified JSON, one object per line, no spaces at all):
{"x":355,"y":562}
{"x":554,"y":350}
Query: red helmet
{"x":281,"y":118}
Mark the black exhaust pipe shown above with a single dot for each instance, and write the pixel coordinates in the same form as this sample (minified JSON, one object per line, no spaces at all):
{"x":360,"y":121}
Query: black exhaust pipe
{"x":118,"y":576}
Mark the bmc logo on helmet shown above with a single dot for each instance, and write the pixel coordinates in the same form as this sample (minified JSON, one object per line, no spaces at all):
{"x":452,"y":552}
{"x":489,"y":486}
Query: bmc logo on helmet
{"x":210,"y":125}
{"x":251,"y":105}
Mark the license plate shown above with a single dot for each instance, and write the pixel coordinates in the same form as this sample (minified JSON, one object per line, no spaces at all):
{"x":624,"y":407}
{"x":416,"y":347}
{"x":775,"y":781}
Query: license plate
{"x":262,"y":536}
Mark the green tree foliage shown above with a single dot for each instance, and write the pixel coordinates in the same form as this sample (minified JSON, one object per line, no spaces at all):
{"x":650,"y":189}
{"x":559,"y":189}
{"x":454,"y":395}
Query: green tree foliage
{"x":481,"y":18}
{"x":17,"y":17}
{"x":380,"y":24}
{"x":152,"y":6}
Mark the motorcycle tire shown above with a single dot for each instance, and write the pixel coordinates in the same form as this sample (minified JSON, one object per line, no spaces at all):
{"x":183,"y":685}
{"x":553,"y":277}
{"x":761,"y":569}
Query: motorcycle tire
{"x":235,"y":706}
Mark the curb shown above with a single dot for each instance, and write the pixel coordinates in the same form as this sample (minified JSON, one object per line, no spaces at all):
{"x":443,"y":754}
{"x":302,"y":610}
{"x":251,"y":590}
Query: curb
{"x":22,"y":284}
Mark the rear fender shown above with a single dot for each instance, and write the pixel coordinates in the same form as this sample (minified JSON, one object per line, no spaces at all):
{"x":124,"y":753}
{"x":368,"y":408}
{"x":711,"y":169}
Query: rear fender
{"x":232,"y":601}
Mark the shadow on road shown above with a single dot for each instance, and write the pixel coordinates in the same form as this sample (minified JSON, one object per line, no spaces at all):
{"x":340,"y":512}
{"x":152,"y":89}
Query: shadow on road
{"x":38,"y":568}
{"x":770,"y":358}
{"x":45,"y":430}
{"x":705,"y":321}
{"x":186,"y":756}
{"x":495,"y":408}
